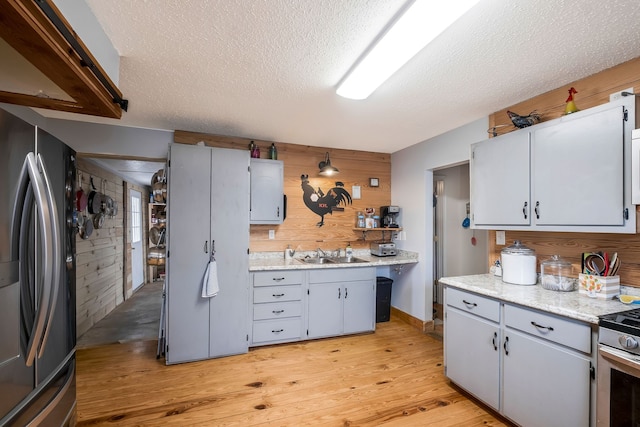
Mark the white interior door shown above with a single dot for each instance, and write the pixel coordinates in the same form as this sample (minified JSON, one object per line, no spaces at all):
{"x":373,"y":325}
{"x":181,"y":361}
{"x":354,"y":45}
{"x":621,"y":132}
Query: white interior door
{"x":137,"y":265}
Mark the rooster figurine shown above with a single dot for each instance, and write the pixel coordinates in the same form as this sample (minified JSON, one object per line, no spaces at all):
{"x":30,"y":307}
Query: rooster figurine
{"x":524,"y":121}
{"x":323,"y":204}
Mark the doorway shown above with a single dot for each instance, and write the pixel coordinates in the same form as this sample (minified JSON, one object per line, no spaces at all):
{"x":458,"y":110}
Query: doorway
{"x":137,"y":259}
{"x":458,"y":249}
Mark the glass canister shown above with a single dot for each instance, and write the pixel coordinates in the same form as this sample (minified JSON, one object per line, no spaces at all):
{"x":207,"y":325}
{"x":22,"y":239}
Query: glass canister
{"x":518,"y":264}
{"x":555,"y":275}
{"x":360,"y":220}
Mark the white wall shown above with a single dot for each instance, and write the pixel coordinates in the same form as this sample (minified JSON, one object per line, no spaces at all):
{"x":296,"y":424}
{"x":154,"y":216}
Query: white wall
{"x":412,"y":190}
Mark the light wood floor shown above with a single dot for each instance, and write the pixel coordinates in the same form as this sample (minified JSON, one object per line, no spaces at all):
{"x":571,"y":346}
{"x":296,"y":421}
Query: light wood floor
{"x":393,"y":377}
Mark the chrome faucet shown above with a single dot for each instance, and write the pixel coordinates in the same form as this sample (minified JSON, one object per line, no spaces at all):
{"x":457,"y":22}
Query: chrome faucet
{"x":320,"y":251}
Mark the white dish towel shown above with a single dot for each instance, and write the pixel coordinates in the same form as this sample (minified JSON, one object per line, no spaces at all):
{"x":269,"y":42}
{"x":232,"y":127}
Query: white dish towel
{"x":210,"y":287}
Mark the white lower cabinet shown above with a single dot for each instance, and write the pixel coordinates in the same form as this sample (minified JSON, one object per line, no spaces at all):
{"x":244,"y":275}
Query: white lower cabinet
{"x":295,"y":305}
{"x":473,"y":359}
{"x":535,"y":368}
{"x":277,"y":307}
{"x":341,"y":301}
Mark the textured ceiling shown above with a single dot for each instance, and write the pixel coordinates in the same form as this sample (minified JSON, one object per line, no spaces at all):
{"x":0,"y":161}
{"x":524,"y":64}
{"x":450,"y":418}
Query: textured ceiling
{"x":268,"y":69}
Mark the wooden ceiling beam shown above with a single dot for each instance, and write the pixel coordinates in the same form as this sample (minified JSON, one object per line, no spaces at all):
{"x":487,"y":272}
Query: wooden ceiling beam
{"x":26,"y":28}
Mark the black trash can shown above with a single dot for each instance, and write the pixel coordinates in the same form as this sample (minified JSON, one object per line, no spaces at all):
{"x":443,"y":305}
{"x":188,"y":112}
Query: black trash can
{"x":383,"y":299}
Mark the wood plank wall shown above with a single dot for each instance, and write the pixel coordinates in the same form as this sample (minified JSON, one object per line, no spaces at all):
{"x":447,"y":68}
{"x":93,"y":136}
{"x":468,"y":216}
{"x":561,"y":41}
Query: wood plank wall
{"x":592,"y":91}
{"x":299,"y":228}
{"x":99,"y":259}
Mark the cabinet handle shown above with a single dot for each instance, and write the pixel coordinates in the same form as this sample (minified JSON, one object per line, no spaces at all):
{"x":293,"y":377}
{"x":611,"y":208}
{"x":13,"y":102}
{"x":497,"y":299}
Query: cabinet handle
{"x":537,"y":210}
{"x":549,"y":328}
{"x":494,"y":341}
{"x":346,"y":293}
{"x":278,"y":279}
{"x":278,"y":295}
{"x":505,"y":346}
{"x":470,"y":304}
{"x":206,"y":246}
{"x":278,"y":212}
{"x":278,"y":311}
{"x":524,"y":209}
{"x":339,"y":292}
{"x":277,"y":331}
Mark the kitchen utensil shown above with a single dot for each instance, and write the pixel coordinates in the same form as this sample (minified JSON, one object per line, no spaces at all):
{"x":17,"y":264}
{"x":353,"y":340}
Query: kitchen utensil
{"x":473,"y":238}
{"x":114,"y":209}
{"x":98,"y":220}
{"x":466,"y":222}
{"x":554,"y":275}
{"x":629,"y":299}
{"x":81,"y":196}
{"x":95,"y":199}
{"x":154,"y":235}
{"x":518,"y":264}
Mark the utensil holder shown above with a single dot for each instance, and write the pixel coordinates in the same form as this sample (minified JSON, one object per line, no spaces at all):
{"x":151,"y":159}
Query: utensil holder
{"x":603,"y":287}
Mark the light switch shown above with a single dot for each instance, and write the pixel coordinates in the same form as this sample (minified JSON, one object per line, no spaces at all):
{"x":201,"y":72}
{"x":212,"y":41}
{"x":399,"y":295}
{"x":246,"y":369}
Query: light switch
{"x":272,"y":234}
{"x":355,"y":192}
{"x":500,"y":238}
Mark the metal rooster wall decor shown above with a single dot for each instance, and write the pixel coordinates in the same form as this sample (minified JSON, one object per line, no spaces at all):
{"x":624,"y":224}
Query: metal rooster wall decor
{"x":321,"y":203}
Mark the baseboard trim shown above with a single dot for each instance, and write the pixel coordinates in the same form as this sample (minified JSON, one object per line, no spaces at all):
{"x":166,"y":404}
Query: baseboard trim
{"x":413,"y":321}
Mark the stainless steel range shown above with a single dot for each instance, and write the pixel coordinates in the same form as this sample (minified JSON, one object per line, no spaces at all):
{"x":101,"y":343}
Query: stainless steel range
{"x":618,"y":399}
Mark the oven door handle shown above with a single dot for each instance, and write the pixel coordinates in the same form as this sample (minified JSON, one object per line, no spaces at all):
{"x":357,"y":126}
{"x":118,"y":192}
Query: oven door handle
{"x":619,"y":356}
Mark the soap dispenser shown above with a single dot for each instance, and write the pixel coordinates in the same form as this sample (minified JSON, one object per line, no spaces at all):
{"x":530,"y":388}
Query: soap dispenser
{"x":348,"y":250}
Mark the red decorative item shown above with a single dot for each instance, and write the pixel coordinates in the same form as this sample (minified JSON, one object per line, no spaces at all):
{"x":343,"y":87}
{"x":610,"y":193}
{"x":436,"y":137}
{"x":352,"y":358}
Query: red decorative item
{"x":571,"y":105}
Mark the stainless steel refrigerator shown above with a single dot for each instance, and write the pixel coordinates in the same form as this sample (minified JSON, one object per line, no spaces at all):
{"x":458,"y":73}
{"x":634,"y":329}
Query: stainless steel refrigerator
{"x":37,"y":276}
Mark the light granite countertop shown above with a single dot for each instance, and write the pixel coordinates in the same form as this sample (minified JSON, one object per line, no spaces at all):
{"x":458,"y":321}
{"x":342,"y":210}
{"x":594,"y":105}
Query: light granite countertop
{"x":568,"y":304}
{"x":268,"y":261}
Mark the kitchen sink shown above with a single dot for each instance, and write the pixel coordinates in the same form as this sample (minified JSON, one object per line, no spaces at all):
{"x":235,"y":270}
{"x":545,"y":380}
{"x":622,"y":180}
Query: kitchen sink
{"x":332,"y":260}
{"x":345,"y":260}
{"x":316,"y":260}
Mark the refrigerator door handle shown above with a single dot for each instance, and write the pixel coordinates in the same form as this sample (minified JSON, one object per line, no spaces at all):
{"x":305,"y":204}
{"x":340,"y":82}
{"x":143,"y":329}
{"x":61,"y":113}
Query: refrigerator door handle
{"x":56,"y":256}
{"x":30,"y":178}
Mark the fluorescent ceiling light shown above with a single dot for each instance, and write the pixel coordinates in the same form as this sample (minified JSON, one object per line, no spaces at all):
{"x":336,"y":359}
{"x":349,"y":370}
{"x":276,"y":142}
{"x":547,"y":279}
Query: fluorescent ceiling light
{"x":422,"y":22}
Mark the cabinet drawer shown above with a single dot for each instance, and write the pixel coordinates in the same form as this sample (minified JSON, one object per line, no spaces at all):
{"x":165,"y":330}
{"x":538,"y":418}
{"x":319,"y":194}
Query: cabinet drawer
{"x":275,"y":310}
{"x":277,"y":330}
{"x":472,"y":303}
{"x":341,"y":275}
{"x":270,"y":278}
{"x":277,"y":293}
{"x":547,"y":326}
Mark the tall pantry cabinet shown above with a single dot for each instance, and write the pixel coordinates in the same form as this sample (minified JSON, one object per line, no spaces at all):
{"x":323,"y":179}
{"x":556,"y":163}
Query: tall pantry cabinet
{"x":208,"y":194}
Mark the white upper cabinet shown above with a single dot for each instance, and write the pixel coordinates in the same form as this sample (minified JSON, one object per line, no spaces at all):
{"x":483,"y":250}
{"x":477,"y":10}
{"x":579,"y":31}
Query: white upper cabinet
{"x":568,"y":174}
{"x":500,"y":180}
{"x":578,"y":170}
{"x":267,"y":191}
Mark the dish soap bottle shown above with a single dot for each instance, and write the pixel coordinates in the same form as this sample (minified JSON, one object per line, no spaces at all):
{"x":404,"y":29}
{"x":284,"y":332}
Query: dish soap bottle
{"x":273,"y":152}
{"x":348,"y":250}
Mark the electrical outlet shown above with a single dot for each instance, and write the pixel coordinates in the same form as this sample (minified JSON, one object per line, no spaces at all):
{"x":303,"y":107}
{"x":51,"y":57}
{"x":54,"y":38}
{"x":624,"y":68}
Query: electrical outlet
{"x":500,"y":238}
{"x":272,"y":234}
{"x":617,"y":95}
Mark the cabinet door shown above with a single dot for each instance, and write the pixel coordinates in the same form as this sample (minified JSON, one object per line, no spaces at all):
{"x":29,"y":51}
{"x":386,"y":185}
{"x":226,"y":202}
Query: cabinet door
{"x":267,"y":190}
{"x":543,"y":384}
{"x":359,"y":307}
{"x":188,"y":231}
{"x":325,"y":309}
{"x":578,"y":170}
{"x":229,"y":319}
{"x":472,"y":357}
{"x":499,"y":184}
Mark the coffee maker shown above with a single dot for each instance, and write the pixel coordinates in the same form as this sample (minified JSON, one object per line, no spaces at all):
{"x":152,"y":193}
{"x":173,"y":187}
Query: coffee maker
{"x":389,"y":216}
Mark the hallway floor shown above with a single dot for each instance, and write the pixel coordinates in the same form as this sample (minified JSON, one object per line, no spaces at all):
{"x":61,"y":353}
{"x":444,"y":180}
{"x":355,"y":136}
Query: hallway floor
{"x":136,"y":319}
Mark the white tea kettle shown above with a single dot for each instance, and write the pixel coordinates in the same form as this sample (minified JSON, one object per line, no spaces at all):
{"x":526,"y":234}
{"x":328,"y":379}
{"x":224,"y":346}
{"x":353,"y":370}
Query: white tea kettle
{"x":518,"y":264}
